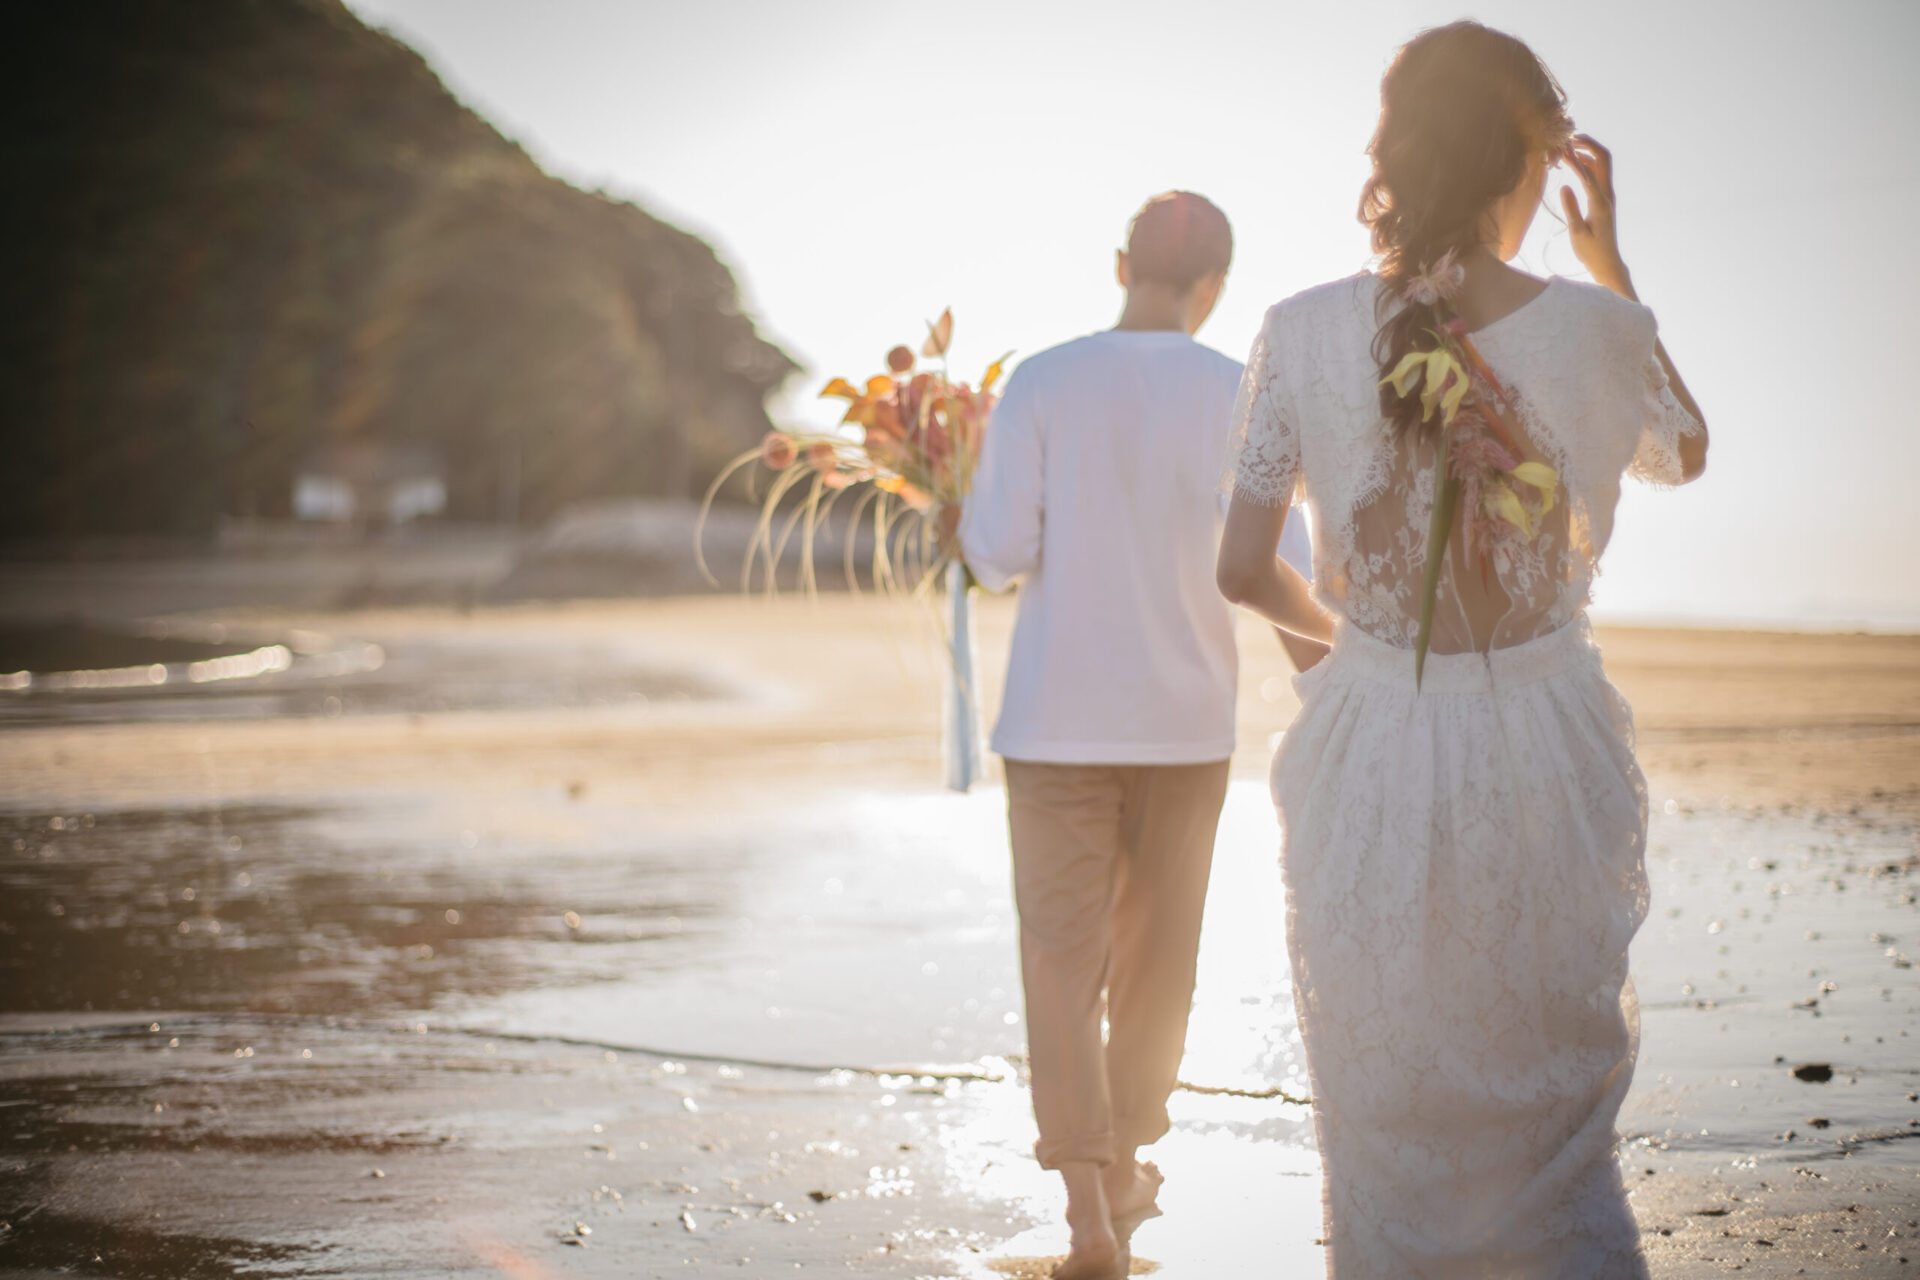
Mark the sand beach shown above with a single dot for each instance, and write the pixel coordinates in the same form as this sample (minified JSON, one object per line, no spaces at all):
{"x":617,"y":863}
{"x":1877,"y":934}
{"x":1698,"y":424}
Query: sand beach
{"x":638,"y":938}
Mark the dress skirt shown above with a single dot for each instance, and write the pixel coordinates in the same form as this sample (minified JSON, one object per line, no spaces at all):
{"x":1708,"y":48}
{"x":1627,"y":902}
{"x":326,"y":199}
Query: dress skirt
{"x":1465,"y":868}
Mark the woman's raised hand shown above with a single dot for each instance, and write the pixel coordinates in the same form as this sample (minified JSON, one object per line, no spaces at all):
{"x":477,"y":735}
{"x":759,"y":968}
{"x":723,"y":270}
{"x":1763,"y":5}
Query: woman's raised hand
{"x":1595,"y":241}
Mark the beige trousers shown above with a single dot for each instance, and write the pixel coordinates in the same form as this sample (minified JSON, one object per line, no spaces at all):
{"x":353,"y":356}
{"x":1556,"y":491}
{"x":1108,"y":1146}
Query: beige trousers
{"x":1110,"y":866}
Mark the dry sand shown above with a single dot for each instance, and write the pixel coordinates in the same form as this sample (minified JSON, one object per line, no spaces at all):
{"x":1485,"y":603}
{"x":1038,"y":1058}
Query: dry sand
{"x":1760,"y":719}
{"x":1740,"y":733}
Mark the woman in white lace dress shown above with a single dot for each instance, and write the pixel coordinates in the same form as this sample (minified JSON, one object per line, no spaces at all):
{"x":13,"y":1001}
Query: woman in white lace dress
{"x":1464,"y":859}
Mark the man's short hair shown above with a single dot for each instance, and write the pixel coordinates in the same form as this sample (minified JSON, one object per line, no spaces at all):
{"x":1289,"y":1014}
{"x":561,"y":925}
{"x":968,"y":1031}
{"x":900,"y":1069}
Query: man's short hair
{"x":1178,"y":239}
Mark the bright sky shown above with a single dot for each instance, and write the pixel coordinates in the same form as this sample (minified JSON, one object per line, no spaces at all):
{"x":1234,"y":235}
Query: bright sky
{"x":862,"y":163}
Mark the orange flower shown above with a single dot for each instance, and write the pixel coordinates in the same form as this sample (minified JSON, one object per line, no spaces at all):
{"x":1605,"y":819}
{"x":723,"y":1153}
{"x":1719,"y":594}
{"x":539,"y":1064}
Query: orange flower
{"x":861,"y":406}
{"x":777,"y":450}
{"x":992,"y":375}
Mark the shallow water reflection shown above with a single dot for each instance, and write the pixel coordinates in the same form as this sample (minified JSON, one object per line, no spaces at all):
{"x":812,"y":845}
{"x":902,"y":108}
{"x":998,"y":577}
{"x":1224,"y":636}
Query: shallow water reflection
{"x":875,"y":932}
{"x":183,"y":674}
{"x":474,"y":980}
{"x":297,"y":911}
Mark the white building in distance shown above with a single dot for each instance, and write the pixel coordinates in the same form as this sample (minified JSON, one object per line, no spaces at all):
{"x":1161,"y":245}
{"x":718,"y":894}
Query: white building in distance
{"x":370,"y":482}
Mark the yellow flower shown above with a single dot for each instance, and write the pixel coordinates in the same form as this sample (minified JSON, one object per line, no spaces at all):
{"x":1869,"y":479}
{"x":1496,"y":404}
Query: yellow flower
{"x":1406,"y":374}
{"x":1540,"y":476}
{"x":1503,"y":503}
{"x":1445,"y":381}
{"x":1454,"y":394}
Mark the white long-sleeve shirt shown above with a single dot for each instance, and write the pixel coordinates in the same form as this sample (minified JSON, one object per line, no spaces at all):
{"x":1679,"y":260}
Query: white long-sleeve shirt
{"x":1099,"y":485}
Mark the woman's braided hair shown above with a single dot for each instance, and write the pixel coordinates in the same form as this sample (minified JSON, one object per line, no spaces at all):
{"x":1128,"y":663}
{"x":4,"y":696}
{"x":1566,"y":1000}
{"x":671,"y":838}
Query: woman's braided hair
{"x":1462,"y":109}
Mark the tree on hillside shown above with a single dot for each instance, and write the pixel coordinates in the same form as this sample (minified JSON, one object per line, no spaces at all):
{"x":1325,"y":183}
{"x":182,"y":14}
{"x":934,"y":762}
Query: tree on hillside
{"x":245,"y":230}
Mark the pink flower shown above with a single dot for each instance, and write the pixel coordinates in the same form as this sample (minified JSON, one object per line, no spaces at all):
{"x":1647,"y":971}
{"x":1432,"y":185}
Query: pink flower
{"x":1440,"y":280}
{"x":1471,"y":451}
{"x":777,"y":450}
{"x":884,"y":419}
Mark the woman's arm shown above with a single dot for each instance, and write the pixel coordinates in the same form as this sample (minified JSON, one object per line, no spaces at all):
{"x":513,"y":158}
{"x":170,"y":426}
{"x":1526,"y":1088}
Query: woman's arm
{"x":1302,"y":653}
{"x":1251,"y":573}
{"x":1596,"y":243}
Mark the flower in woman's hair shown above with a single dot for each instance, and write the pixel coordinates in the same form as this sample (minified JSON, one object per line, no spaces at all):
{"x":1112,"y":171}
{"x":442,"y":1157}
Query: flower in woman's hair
{"x":1541,"y":477}
{"x":1436,"y":282}
{"x":777,"y":450}
{"x":1502,"y":503}
{"x":1443,"y":378}
{"x":1478,"y":451}
{"x":1447,"y":392}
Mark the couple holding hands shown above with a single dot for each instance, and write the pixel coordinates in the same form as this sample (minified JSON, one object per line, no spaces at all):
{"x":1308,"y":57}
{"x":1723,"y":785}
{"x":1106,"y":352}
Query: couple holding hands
{"x":1463,"y":831}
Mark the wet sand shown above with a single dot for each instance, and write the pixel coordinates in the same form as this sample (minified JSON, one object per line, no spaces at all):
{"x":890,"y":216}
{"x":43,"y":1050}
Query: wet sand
{"x":694,"y":883}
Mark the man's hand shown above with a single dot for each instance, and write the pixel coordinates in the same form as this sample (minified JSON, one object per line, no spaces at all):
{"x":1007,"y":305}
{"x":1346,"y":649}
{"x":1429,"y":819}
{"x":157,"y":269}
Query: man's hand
{"x":946,"y":529}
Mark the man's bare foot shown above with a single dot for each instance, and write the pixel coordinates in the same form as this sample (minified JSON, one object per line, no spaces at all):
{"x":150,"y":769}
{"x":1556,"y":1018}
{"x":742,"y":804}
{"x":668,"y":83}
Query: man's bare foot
{"x":1093,"y":1251}
{"x":1131,"y":1188}
{"x":1090,"y":1263}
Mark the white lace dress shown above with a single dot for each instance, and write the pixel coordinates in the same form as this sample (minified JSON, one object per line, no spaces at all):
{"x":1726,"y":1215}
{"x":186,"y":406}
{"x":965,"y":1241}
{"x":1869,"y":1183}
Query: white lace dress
{"x":1464,"y":865}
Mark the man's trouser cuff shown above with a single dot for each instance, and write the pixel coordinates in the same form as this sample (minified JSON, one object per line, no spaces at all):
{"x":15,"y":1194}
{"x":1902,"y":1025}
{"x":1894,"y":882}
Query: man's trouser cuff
{"x":1091,"y":1149}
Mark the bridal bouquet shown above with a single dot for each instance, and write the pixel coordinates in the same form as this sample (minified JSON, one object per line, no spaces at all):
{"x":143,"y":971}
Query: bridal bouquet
{"x":1478,"y":468}
{"x":918,"y":443}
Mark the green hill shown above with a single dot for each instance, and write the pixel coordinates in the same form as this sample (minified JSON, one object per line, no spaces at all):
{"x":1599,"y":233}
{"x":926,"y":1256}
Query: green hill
{"x":242,"y":230}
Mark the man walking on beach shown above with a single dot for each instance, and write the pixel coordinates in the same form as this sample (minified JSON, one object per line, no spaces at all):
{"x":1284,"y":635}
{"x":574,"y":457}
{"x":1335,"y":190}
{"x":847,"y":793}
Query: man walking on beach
{"x":1099,"y":487}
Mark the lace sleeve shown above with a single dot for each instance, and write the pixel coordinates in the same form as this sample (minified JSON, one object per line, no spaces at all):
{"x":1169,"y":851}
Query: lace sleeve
{"x":1265,"y":451}
{"x":1664,"y":421}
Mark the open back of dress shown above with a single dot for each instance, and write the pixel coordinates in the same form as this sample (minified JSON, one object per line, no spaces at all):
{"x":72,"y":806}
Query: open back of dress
{"x":1593,"y":403}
